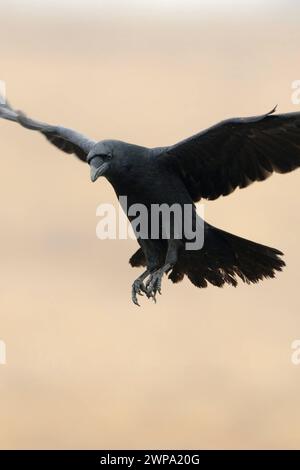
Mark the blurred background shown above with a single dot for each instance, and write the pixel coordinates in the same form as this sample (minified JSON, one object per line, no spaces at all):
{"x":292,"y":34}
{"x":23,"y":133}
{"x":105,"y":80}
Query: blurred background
{"x":85,"y":367}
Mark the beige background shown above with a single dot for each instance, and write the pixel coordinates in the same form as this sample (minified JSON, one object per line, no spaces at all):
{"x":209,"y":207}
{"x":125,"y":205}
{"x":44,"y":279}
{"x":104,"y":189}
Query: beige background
{"x":85,"y":367}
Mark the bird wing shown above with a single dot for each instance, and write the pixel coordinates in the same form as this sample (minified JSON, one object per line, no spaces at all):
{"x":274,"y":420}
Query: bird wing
{"x":65,"y":139}
{"x":237,"y":152}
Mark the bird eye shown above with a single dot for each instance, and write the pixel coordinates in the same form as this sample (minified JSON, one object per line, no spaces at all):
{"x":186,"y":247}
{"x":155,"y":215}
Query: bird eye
{"x":104,"y":156}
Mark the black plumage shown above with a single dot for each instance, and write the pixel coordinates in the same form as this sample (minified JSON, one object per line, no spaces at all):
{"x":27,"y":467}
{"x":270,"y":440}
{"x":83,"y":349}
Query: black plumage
{"x":212,"y":163}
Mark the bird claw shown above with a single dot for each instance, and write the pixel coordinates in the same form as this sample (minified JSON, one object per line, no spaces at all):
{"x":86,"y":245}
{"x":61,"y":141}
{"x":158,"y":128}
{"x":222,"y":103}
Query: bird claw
{"x":138,"y":288}
{"x":153,"y":285}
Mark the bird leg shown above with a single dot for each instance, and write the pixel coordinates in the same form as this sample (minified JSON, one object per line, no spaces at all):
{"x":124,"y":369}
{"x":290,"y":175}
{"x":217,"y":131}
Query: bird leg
{"x":138,"y":287}
{"x":153,"y":284}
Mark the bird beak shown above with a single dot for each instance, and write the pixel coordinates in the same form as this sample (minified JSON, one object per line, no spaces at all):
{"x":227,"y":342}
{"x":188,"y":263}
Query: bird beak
{"x":98,"y":168}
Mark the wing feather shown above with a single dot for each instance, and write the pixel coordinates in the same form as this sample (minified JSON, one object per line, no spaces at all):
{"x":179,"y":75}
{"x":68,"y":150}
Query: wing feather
{"x":65,"y":139}
{"x":236,"y":152}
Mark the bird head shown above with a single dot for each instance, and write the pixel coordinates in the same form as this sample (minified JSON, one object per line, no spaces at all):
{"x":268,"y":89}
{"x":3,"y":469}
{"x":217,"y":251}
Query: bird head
{"x":114,"y":159}
{"x":100,"y":158}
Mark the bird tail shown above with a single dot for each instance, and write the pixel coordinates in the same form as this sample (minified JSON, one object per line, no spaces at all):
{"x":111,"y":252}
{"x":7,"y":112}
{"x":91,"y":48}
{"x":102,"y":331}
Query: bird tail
{"x":225,"y":258}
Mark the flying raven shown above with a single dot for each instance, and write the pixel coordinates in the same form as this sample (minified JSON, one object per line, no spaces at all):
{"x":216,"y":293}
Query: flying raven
{"x":212,"y":163}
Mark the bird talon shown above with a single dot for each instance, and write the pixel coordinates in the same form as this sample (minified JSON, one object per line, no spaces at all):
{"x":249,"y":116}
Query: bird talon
{"x":153,"y":286}
{"x":137,"y":289}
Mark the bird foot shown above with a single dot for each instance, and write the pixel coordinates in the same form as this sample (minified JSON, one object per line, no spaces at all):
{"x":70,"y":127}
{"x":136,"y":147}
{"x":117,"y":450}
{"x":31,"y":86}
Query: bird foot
{"x":154,"y":284}
{"x":138,"y":288}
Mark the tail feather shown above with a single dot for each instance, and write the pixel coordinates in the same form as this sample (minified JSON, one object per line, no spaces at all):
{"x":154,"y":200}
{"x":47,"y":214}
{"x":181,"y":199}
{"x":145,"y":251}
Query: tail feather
{"x":138,"y":259}
{"x":225,"y":258}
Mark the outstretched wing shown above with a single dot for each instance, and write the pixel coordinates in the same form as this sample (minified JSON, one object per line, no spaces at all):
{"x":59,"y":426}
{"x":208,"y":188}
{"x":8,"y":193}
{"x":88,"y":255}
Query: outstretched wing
{"x":65,"y":139}
{"x":237,"y":152}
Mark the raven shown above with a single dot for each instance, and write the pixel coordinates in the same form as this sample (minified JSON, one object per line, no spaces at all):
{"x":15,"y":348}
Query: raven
{"x":213,"y":163}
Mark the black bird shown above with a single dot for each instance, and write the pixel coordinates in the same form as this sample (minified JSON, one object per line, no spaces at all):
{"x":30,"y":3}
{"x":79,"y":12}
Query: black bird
{"x":212,"y":163}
